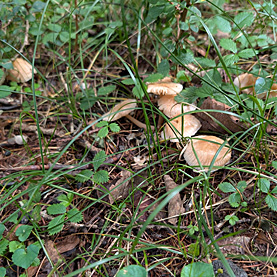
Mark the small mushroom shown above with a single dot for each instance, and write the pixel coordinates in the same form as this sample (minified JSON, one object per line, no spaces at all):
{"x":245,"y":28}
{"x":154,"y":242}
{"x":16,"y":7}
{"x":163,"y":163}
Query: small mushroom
{"x":186,"y":126}
{"x":164,"y":87}
{"x":245,"y":82}
{"x":120,"y":110}
{"x":21,"y":72}
{"x":206,"y":147}
{"x":172,"y":108}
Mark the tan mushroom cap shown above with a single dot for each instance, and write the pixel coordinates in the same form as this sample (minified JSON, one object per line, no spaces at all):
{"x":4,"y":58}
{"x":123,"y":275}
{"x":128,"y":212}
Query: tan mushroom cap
{"x":190,"y":127}
{"x":245,"y":80}
{"x":164,"y":88}
{"x":21,"y":72}
{"x":120,"y":110}
{"x":171,"y":108}
{"x":206,"y":148}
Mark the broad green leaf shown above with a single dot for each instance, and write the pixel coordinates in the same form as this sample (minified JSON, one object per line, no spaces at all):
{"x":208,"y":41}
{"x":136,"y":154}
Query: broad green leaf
{"x":223,"y":24}
{"x":182,"y":76}
{"x":83,"y":176}
{"x":114,"y":127}
{"x":24,"y":258}
{"x":138,"y":91}
{"x":132,"y":271}
{"x":246,"y":53}
{"x":274,"y":190}
{"x":102,"y":124}
{"x":99,"y":159}
{"x":23,"y":232}
{"x":106,"y":90}
{"x":14,"y":245}
{"x":226,"y":187}
{"x":56,"y":224}
{"x":1,"y":73}
{"x":244,"y":19}
{"x":54,"y":27}
{"x":184,"y":57}
{"x":3,"y":246}
{"x":232,"y":219}
{"x":264,"y":185}
{"x":51,"y":37}
{"x":74,"y":215}
{"x":205,"y":62}
{"x":234,"y":199}
{"x":56,"y":209}
{"x":241,"y":186}
{"x":262,"y":85}
{"x":128,"y":82}
{"x":155,"y":11}
{"x":35,"y":31}
{"x":64,"y":36}
{"x":38,"y":6}
{"x":103,"y":132}
{"x":271,"y":201}
{"x":101,"y":176}
{"x":155,"y":77}
{"x":188,"y":95}
{"x":65,"y":199}
{"x":170,"y":47}
{"x":163,"y":67}
{"x":5,"y":91}
{"x":2,"y":229}
{"x":2,"y":272}
{"x":228,"y":44}
{"x":198,"y":269}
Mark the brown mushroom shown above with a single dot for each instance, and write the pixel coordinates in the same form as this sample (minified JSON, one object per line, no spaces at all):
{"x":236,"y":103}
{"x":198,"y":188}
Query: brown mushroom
{"x":245,"y":82}
{"x":21,"y":72}
{"x":186,"y":126}
{"x":120,"y":110}
{"x":172,"y":108}
{"x":205,"y":148}
{"x":164,"y":88}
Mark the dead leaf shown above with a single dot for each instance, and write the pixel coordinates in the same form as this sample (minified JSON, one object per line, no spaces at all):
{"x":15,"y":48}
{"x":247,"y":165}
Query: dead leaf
{"x":175,"y":205}
{"x":121,"y":188}
{"x":231,"y":122}
{"x":234,"y":245}
{"x":52,"y":251}
{"x":67,"y":244}
{"x":245,"y":82}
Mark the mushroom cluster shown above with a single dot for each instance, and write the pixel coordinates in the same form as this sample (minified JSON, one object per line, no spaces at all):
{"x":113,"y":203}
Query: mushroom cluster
{"x":201,"y":151}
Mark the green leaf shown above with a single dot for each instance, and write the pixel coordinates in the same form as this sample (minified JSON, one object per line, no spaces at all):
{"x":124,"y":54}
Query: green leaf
{"x":64,"y":36}
{"x":56,"y":224}
{"x":264,"y":185}
{"x":246,"y":53}
{"x":205,"y":62}
{"x":23,"y":232}
{"x":138,"y":91}
{"x":228,"y":44}
{"x":132,"y":271}
{"x":102,"y":124}
{"x":2,"y":272}
{"x":5,"y":91}
{"x":1,"y":73}
{"x":114,"y":127}
{"x":234,"y":200}
{"x":226,"y":187}
{"x":128,"y":82}
{"x":38,"y":6}
{"x":163,"y":67}
{"x":188,"y":95}
{"x":262,"y":85}
{"x":3,"y":246}
{"x":14,"y":245}
{"x":155,"y":77}
{"x":51,"y":37}
{"x":83,"y":176}
{"x":66,"y":199}
{"x":2,"y":229}
{"x":56,"y":209}
{"x":222,"y":24}
{"x":274,"y":190}
{"x":99,"y":159}
{"x":54,"y":27}
{"x":182,"y":76}
{"x":74,"y":215}
{"x":241,"y":186}
{"x":244,"y":19}
{"x":232,"y":219}
{"x":271,"y":201}
{"x":24,"y":258}
{"x":103,"y":132}
{"x":198,"y":269}
{"x":106,"y":90}
{"x":101,"y":176}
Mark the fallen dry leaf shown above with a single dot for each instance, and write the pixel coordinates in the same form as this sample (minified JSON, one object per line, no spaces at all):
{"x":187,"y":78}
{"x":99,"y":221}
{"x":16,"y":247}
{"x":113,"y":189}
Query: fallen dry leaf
{"x":229,"y":121}
{"x":67,"y":244}
{"x":234,"y":245}
{"x":120,"y":190}
{"x":175,"y":204}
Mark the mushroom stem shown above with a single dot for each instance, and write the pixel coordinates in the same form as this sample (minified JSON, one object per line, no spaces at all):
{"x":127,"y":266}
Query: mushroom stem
{"x":138,"y":123}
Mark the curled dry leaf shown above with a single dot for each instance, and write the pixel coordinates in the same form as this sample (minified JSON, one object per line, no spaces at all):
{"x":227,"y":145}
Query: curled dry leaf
{"x":21,"y":72}
{"x":171,"y":108}
{"x":245,"y":82}
{"x":186,"y":126}
{"x":175,"y":205}
{"x":205,"y":148}
{"x":121,"y":189}
{"x":120,"y":110}
{"x":231,"y":122}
